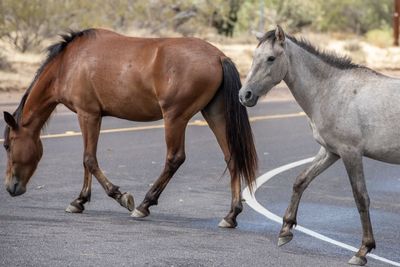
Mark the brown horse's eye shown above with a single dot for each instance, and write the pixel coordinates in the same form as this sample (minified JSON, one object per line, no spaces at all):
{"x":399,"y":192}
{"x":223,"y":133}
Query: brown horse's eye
{"x":6,"y":147}
{"x":271,"y":59}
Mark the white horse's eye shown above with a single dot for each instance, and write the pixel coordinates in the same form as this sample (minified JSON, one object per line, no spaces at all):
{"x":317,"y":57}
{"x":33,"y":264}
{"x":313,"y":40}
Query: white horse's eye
{"x":271,"y":59}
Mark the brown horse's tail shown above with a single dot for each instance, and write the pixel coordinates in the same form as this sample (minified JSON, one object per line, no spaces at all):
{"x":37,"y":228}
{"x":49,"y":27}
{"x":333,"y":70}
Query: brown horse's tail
{"x":238,"y":130}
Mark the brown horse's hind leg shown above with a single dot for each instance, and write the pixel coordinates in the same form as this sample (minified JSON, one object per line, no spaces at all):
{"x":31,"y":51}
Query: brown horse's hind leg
{"x":175,"y":139}
{"x":354,"y":167}
{"x":90,"y":126}
{"x":215,"y":117}
{"x":322,"y":161}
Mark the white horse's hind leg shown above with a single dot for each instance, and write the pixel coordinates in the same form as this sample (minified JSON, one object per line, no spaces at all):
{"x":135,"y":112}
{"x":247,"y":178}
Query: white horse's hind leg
{"x":354,"y":167}
{"x":322,"y":161}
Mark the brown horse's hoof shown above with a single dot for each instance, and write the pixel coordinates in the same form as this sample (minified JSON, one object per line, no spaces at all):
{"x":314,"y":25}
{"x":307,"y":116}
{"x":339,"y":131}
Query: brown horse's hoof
{"x":282,"y":240}
{"x":225,"y":224}
{"x":73,"y":209}
{"x":355,"y":260}
{"x":138,"y":214}
{"x":127,"y":201}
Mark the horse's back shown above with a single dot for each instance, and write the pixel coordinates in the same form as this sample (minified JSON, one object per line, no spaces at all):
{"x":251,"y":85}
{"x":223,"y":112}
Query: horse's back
{"x":133,"y":78}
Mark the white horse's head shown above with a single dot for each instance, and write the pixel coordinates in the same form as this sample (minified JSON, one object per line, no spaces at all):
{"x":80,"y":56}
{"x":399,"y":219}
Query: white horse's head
{"x":269,"y":67}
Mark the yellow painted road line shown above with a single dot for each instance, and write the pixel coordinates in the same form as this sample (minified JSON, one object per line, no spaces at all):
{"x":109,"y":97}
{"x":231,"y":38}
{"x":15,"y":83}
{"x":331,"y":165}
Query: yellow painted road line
{"x":161,"y":126}
{"x":278,"y":116}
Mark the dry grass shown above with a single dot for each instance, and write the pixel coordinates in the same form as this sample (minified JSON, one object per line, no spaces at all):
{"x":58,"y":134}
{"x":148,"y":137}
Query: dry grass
{"x":23,"y":68}
{"x":381,"y":38}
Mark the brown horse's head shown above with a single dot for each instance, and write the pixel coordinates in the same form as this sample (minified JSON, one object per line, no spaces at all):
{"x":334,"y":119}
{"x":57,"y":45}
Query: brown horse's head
{"x":24,"y":151}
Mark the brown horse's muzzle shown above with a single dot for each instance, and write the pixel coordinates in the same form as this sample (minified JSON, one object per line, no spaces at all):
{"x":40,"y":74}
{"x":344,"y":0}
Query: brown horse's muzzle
{"x":15,"y":188}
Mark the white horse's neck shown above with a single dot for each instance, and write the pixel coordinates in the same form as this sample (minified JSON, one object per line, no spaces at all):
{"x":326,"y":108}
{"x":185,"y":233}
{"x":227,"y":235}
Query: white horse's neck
{"x":308,"y":76}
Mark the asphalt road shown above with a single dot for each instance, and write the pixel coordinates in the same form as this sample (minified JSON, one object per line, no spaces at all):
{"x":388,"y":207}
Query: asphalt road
{"x":182,"y":230}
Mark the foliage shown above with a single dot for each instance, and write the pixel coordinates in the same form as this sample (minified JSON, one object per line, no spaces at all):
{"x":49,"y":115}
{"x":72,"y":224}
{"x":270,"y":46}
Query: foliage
{"x":22,"y":21}
{"x":357,"y":16}
{"x":25,"y":23}
{"x":294,"y":14}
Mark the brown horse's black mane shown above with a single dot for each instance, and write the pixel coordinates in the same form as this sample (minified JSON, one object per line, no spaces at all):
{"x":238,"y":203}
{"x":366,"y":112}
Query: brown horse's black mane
{"x":52,"y":52}
{"x":331,"y":58}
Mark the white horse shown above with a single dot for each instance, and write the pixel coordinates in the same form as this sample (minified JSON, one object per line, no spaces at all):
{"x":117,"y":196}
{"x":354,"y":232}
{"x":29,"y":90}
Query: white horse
{"x":353,"y":112}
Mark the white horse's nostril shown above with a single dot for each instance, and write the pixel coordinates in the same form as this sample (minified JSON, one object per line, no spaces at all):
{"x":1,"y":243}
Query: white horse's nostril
{"x":248,"y":95}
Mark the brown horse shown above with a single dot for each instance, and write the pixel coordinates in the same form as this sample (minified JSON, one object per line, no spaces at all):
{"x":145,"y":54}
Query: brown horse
{"x":98,"y":73}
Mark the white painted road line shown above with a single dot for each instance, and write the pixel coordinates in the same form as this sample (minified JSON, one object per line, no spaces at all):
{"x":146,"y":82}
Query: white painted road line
{"x":253,"y":203}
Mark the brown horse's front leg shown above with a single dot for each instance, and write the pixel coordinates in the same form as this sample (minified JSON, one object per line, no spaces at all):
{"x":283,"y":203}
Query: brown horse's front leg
{"x":175,"y":139}
{"x":322,"y":161}
{"x":354,"y":167}
{"x":90,"y":126}
{"x":77,"y":206}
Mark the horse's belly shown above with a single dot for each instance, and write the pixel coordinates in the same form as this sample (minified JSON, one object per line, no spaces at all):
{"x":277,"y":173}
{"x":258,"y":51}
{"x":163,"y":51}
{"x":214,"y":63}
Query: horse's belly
{"x":381,"y":139}
{"x":133,"y":109}
{"x":137,"y":115}
{"x":126,"y":92}
{"x":381,"y":143}
{"x":385,"y":154}
{"x":393,"y":158}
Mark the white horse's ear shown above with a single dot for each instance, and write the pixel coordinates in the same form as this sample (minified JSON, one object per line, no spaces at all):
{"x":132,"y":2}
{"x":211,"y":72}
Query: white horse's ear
{"x":259,"y":35}
{"x":279,"y":34}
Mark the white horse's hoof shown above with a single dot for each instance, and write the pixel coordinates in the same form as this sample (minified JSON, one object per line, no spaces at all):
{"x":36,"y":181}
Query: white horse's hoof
{"x":224,"y":224}
{"x":361,"y":261}
{"x":127,"y":201}
{"x":284,"y":240}
{"x":73,"y":209}
{"x":138,"y":214}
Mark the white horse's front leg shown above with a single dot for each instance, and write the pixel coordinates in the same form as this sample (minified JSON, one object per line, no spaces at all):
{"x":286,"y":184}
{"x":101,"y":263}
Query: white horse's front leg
{"x":322,"y":161}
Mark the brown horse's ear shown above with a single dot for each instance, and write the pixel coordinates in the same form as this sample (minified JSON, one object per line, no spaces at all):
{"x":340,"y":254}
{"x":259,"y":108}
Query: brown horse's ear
{"x":279,"y":34}
{"x":10,"y":120}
